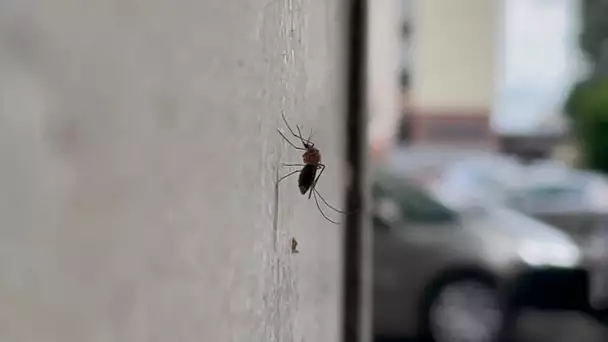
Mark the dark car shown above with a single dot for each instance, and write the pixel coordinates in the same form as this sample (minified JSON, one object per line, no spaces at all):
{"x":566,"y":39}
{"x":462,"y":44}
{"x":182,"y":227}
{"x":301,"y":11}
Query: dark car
{"x":461,"y":275}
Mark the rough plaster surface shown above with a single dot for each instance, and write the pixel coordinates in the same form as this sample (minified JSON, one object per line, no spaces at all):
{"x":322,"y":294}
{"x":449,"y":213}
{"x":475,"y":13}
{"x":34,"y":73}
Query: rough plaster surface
{"x":138,"y":156}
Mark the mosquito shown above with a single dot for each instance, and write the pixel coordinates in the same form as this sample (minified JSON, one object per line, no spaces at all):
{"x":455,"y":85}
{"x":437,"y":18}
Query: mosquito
{"x":311,"y":158}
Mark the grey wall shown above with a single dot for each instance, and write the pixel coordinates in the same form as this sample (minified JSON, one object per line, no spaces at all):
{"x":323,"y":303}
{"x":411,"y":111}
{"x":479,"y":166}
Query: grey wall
{"x":138,"y":155}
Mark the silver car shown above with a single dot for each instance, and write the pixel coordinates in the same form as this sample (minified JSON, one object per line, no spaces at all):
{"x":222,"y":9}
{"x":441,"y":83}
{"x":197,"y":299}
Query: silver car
{"x":448,"y":276}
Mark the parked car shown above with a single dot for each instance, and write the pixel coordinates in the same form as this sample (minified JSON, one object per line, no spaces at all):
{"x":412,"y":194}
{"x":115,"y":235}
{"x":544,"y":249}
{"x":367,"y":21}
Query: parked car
{"x":449,"y":275}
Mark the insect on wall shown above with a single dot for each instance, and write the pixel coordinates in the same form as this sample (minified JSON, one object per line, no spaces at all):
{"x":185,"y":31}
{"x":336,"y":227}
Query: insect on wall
{"x":311,"y":163}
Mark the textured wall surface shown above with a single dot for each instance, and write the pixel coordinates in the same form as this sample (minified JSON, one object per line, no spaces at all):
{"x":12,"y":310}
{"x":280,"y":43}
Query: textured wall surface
{"x":138,"y":157}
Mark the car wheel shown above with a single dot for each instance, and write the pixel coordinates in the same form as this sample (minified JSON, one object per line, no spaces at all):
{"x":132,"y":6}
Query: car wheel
{"x":463,"y":310}
{"x":601,"y":316}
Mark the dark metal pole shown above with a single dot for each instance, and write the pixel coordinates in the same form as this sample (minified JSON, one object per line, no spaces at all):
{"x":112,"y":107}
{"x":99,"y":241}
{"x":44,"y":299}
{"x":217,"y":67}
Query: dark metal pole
{"x":356,"y":318}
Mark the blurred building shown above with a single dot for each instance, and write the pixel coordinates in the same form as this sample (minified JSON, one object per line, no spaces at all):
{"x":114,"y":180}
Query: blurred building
{"x":383,"y":65}
{"x":448,"y":71}
{"x":455,"y":57}
{"x":405,"y":71}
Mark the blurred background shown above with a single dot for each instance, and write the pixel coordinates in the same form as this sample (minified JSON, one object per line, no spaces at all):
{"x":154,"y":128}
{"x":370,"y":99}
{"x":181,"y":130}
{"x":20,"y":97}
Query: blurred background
{"x":489,"y":150}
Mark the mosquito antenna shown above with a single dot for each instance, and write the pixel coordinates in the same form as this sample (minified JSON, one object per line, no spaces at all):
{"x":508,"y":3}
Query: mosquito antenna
{"x":309,"y":140}
{"x":305,"y":142}
{"x":299,"y":136}
{"x":320,"y":210}
{"x":329,"y":205}
{"x":289,"y":127}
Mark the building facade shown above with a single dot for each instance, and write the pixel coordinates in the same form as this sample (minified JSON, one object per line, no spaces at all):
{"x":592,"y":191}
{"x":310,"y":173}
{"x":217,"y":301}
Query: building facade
{"x":450,"y":71}
{"x":383,"y":65}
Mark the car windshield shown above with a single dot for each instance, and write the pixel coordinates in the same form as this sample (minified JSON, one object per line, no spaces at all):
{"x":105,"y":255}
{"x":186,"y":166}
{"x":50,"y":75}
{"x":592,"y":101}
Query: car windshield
{"x":416,"y":203}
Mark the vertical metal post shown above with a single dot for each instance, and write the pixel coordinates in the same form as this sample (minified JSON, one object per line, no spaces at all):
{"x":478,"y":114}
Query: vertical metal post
{"x":356,"y":308}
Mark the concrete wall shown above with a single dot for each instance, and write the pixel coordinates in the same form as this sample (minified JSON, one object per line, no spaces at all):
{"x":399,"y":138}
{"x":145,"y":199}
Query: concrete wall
{"x":138,"y":156}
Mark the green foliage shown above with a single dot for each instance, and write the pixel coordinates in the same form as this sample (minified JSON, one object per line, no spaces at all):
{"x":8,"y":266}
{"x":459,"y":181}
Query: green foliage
{"x":588,"y":108}
{"x":587,"y":104}
{"x":574,"y":102}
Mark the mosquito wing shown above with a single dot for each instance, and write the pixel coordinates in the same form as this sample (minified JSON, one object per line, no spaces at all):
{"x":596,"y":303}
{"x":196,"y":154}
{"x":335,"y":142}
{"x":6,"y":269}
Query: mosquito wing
{"x":307,"y":177}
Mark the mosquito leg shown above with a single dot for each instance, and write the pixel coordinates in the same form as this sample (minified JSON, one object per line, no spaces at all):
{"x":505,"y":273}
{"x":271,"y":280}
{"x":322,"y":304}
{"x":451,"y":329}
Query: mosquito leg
{"x":314,"y":189}
{"x":289,"y":127}
{"x":287,"y":175}
{"x":287,"y":124}
{"x":330,"y":206}
{"x":322,"y":167}
{"x":290,"y":143}
{"x":321,"y":211}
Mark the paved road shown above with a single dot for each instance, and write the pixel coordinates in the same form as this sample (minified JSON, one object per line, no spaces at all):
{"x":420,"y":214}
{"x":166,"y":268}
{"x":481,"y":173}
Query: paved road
{"x":557,"y":327}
